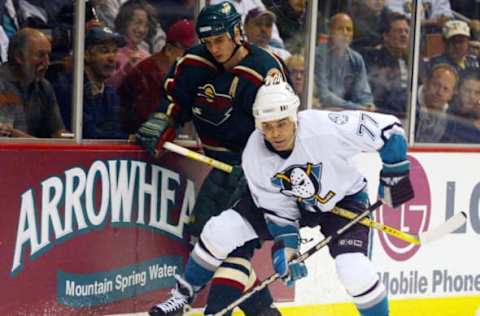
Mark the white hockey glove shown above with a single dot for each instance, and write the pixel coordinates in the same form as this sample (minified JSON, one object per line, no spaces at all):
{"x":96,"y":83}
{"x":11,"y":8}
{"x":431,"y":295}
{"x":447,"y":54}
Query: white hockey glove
{"x":284,"y":251}
{"x":395,"y":187}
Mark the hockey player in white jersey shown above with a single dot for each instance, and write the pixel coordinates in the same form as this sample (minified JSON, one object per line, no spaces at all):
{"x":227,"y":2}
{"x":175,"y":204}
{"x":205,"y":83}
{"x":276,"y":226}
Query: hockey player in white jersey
{"x":298,"y":167}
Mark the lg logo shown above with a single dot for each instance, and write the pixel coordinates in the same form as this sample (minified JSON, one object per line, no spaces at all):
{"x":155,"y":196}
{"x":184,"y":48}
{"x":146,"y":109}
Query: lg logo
{"x":412,"y":217}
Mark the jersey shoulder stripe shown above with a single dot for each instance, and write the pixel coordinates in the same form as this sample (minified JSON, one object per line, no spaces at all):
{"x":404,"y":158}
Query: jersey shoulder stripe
{"x":262,"y":61}
{"x":258,"y":65}
{"x":279,"y":61}
{"x":194,"y":61}
{"x":248,"y":74}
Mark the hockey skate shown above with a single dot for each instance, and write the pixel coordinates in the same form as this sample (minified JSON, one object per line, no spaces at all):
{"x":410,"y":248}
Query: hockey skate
{"x":178,"y":303}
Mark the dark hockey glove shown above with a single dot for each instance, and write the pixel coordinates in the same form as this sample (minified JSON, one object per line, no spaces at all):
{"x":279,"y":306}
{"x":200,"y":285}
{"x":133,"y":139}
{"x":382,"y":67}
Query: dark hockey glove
{"x":235,"y":176}
{"x":158,"y":129}
{"x":395,"y":187}
{"x":284,"y":251}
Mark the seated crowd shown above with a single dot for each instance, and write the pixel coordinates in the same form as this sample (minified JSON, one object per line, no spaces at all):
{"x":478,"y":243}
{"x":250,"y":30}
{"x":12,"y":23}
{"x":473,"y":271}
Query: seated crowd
{"x":362,"y":59}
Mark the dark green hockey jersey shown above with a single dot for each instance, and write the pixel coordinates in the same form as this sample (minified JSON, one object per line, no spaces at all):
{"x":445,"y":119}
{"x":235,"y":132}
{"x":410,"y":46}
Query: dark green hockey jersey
{"x":219,"y":101}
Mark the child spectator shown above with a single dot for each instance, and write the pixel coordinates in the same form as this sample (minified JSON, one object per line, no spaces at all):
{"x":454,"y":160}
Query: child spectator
{"x":296,"y":69}
{"x":133,"y":22}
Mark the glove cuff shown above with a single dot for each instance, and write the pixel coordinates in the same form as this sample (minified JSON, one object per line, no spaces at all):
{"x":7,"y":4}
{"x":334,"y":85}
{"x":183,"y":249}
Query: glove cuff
{"x":396,"y":168}
{"x":276,"y":229}
{"x":163,"y":117}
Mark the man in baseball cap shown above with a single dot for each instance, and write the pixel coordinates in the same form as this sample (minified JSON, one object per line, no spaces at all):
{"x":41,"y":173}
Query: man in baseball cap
{"x":456,"y":36}
{"x":102,"y":34}
{"x":181,"y":34}
{"x":258,"y":28}
{"x":141,"y":89}
{"x":101,"y":104}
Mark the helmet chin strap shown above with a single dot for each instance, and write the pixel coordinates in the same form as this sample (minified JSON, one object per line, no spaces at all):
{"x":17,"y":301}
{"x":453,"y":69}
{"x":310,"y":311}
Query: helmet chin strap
{"x":237,"y":47}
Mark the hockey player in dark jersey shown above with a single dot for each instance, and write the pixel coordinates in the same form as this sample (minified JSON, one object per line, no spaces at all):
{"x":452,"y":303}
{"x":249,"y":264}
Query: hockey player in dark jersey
{"x":214,"y":85}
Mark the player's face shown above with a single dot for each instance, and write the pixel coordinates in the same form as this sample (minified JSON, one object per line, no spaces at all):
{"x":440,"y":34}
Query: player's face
{"x":280,"y":133}
{"x":220,"y":46}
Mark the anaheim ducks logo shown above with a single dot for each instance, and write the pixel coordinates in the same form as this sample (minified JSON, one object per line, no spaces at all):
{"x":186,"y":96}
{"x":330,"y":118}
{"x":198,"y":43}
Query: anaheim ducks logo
{"x":303,"y":183}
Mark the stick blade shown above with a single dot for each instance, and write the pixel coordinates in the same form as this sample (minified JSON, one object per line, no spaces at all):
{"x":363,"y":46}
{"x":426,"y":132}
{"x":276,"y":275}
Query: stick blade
{"x":451,"y":225}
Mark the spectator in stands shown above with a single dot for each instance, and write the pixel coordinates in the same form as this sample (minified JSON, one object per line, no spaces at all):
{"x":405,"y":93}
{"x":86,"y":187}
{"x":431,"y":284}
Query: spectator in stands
{"x":340,"y":73}
{"x":291,"y":22}
{"x":456,"y":35}
{"x":133,"y":22}
{"x":432,"y":120}
{"x":296,"y":68}
{"x":101,"y":104}
{"x":387,"y":66}
{"x":23,"y":86}
{"x":464,"y":120}
{"x":467,"y":102}
{"x":258,"y":28}
{"x":142,"y":88}
{"x":435,"y":12}
{"x":367,"y":16}
{"x":107,"y":11}
{"x":244,"y":6}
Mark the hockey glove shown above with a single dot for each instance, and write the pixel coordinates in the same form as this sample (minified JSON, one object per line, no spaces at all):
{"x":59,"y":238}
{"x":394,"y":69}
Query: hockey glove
{"x":395,"y":187}
{"x":158,"y":129}
{"x":284,"y":250}
{"x":235,"y":176}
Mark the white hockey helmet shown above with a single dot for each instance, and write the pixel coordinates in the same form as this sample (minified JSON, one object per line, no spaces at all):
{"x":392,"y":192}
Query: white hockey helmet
{"x":275,"y":101}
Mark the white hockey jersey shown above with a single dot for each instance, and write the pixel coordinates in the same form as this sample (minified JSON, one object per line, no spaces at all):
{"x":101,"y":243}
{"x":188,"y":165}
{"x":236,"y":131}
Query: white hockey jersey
{"x":318,"y":172}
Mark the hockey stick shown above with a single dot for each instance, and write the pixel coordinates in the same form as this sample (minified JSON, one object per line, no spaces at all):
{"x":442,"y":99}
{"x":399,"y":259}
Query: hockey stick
{"x":197,"y":156}
{"x":449,"y":226}
{"x":324,"y":242}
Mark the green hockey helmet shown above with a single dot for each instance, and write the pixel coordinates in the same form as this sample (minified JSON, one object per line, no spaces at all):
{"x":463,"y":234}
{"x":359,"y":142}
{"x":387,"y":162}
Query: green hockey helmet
{"x":217,"y":19}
